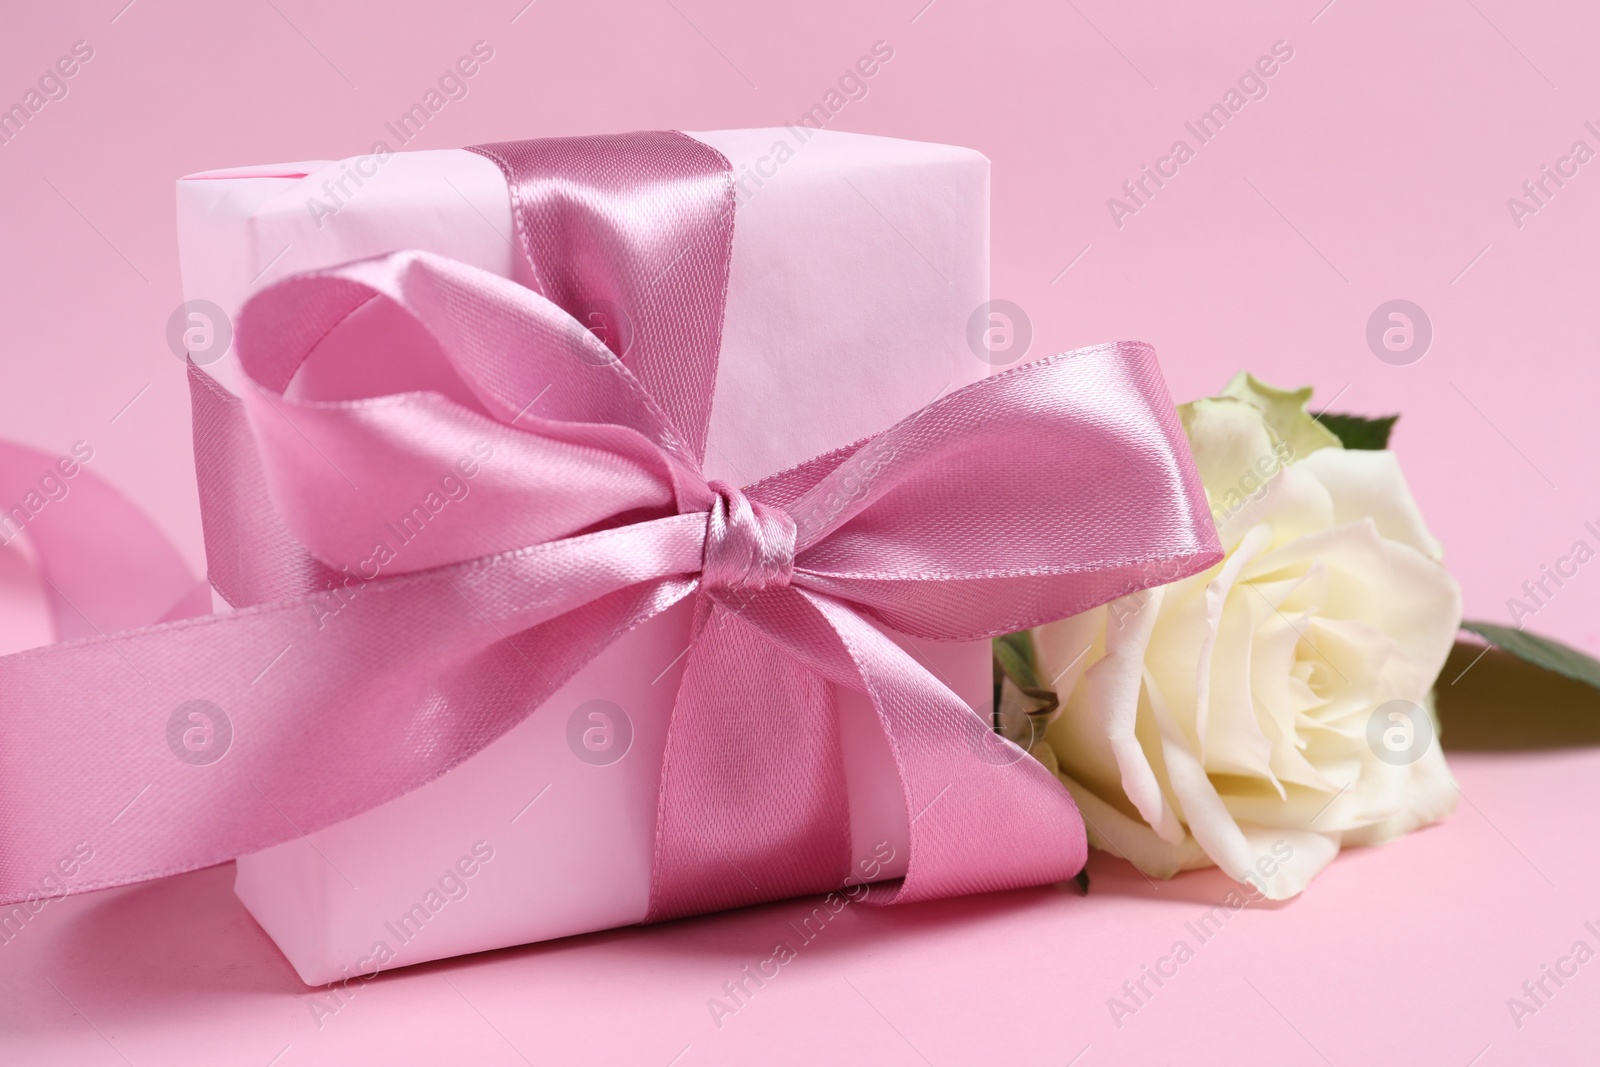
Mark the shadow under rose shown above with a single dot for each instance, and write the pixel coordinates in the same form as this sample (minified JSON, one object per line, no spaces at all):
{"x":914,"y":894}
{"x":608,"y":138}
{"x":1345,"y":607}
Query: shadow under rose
{"x":1500,"y":703}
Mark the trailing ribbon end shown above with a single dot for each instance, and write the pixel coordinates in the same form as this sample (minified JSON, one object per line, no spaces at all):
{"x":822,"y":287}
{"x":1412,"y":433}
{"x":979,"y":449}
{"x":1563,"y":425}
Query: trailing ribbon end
{"x":983,"y":814}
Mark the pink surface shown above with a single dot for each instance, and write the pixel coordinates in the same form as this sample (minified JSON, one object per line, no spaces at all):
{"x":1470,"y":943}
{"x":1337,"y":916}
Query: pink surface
{"x":1403,"y":954}
{"x":1377,"y":167}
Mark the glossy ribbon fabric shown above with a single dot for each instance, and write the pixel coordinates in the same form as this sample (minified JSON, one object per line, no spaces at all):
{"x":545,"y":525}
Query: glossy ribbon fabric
{"x":419,"y":564}
{"x":102,"y":563}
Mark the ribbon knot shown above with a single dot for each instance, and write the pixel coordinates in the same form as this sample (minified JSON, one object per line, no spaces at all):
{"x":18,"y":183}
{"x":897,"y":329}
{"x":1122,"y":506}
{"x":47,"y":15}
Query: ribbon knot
{"x":749,"y":546}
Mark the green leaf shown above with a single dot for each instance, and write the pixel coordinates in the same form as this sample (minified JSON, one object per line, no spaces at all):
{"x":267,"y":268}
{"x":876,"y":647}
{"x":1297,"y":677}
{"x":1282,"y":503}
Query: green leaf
{"x":1081,"y":879}
{"x":1014,"y":655}
{"x":1540,"y":651}
{"x":1358,"y":431}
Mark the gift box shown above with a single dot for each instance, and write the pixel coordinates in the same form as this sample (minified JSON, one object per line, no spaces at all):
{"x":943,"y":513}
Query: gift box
{"x":856,"y":264}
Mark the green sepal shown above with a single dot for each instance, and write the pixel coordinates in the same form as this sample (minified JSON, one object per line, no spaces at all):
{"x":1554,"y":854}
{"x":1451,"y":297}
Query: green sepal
{"x":1020,"y":690}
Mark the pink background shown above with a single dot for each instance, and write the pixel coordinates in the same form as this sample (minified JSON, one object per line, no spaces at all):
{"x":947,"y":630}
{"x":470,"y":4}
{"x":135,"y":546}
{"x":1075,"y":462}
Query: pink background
{"x":1377,"y":167}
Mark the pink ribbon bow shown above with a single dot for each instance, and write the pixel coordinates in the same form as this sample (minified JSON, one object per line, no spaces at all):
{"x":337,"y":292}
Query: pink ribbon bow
{"x":481,"y":496}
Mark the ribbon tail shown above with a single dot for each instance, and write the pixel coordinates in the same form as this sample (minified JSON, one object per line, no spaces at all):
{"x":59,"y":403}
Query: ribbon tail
{"x":752,"y":805}
{"x":105,"y":565}
{"x":182,"y":745}
{"x":753,"y":798}
{"x":982,"y":814}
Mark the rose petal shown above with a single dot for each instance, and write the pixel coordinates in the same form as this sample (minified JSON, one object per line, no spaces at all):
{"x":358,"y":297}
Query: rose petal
{"x":1278,"y":878}
{"x":1368,"y":484}
{"x":1069,"y":647}
{"x":1112,"y":831}
{"x":1112,"y":686}
{"x":1204,"y":812}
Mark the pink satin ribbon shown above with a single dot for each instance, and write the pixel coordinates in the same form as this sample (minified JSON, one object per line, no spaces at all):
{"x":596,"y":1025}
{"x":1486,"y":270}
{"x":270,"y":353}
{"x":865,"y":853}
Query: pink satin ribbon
{"x":103,"y":564}
{"x":352,"y":675}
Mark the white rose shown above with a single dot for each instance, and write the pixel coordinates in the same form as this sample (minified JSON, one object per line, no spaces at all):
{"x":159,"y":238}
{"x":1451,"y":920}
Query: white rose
{"x":1241,"y":717}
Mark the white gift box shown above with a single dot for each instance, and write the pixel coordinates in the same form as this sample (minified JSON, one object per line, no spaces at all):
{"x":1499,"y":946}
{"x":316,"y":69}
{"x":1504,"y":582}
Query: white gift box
{"x":857,"y":262}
